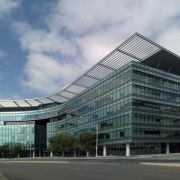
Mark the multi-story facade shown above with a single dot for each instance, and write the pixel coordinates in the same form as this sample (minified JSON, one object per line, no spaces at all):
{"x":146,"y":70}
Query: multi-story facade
{"x":130,"y":99}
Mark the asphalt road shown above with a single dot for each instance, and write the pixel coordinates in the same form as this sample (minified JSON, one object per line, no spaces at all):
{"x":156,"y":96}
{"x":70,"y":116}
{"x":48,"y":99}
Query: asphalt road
{"x":87,"y":170}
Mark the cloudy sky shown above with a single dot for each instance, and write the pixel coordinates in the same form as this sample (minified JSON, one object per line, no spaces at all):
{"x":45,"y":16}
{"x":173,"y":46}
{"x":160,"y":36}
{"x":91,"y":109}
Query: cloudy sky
{"x":47,"y":44}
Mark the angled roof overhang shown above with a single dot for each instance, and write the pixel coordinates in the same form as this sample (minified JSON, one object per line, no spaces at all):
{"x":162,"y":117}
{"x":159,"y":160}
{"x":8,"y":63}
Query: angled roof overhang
{"x":165,"y":61}
{"x":136,"y":48}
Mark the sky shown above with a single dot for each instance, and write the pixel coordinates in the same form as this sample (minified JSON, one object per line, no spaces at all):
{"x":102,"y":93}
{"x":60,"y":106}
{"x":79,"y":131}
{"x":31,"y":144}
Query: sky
{"x":47,"y":44}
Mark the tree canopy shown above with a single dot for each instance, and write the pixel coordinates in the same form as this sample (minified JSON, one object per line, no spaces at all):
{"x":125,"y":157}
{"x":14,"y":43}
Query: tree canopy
{"x":87,"y":141}
{"x":17,"y":149}
{"x":13,"y":150}
{"x":60,"y":143}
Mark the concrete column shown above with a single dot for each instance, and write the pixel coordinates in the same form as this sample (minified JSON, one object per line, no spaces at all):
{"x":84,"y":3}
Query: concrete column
{"x":75,"y":152}
{"x":167,"y":148}
{"x":33,"y":153}
{"x":87,"y":154}
{"x":104,"y":151}
{"x":51,"y":154}
{"x":128,"y":149}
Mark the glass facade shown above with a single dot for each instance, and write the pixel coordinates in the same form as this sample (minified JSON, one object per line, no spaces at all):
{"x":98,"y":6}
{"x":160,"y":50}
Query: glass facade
{"x":156,"y":105}
{"x":18,"y":132}
{"x":29,"y":115}
{"x":137,"y":104}
{"x":26,"y":127}
{"x":135,"y":109}
{"x":109,"y":104}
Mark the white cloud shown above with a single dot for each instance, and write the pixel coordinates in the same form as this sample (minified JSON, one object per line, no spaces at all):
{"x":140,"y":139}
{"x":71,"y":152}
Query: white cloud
{"x":48,"y":69}
{"x":41,"y":41}
{"x":171,"y":40}
{"x":79,"y":33}
{"x":7,"y":6}
{"x":45,"y":73}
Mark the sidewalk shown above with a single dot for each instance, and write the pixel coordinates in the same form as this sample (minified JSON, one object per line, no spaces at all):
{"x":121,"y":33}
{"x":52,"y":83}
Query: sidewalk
{"x":173,"y":157}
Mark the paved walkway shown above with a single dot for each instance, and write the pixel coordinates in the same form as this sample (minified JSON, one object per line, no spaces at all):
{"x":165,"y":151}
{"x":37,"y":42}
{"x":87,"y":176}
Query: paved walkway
{"x":172,"y":156}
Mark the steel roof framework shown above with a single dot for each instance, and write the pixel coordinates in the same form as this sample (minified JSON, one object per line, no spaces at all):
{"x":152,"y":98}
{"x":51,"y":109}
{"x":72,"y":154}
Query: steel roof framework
{"x":136,"y":48}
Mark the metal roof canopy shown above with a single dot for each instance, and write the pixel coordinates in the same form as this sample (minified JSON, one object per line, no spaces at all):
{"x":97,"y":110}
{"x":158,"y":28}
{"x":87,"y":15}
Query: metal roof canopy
{"x":136,"y":48}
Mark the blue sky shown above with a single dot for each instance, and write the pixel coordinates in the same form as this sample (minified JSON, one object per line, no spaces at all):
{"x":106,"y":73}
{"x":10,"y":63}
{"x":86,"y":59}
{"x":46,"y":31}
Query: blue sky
{"x":45,"y":45}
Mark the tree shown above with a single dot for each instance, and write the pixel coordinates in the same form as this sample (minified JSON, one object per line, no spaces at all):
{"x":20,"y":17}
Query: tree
{"x":87,"y":142}
{"x":16,"y":150}
{"x":75,"y":145}
{"x":4,"y":150}
{"x":60,"y":143}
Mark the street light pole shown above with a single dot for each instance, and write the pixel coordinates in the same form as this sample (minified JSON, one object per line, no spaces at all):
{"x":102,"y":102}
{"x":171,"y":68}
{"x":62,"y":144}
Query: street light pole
{"x":97,"y":140}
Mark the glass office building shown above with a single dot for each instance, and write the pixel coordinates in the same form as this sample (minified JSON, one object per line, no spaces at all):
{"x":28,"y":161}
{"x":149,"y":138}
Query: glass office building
{"x":131,"y":99}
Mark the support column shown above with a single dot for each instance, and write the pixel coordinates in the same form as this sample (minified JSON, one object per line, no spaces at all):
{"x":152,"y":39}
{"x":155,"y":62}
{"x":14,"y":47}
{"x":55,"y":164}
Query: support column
{"x":104,"y":150}
{"x":167,"y":148}
{"x":51,"y":154}
{"x":75,"y":152}
{"x":128,"y":149}
{"x":33,"y":153}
